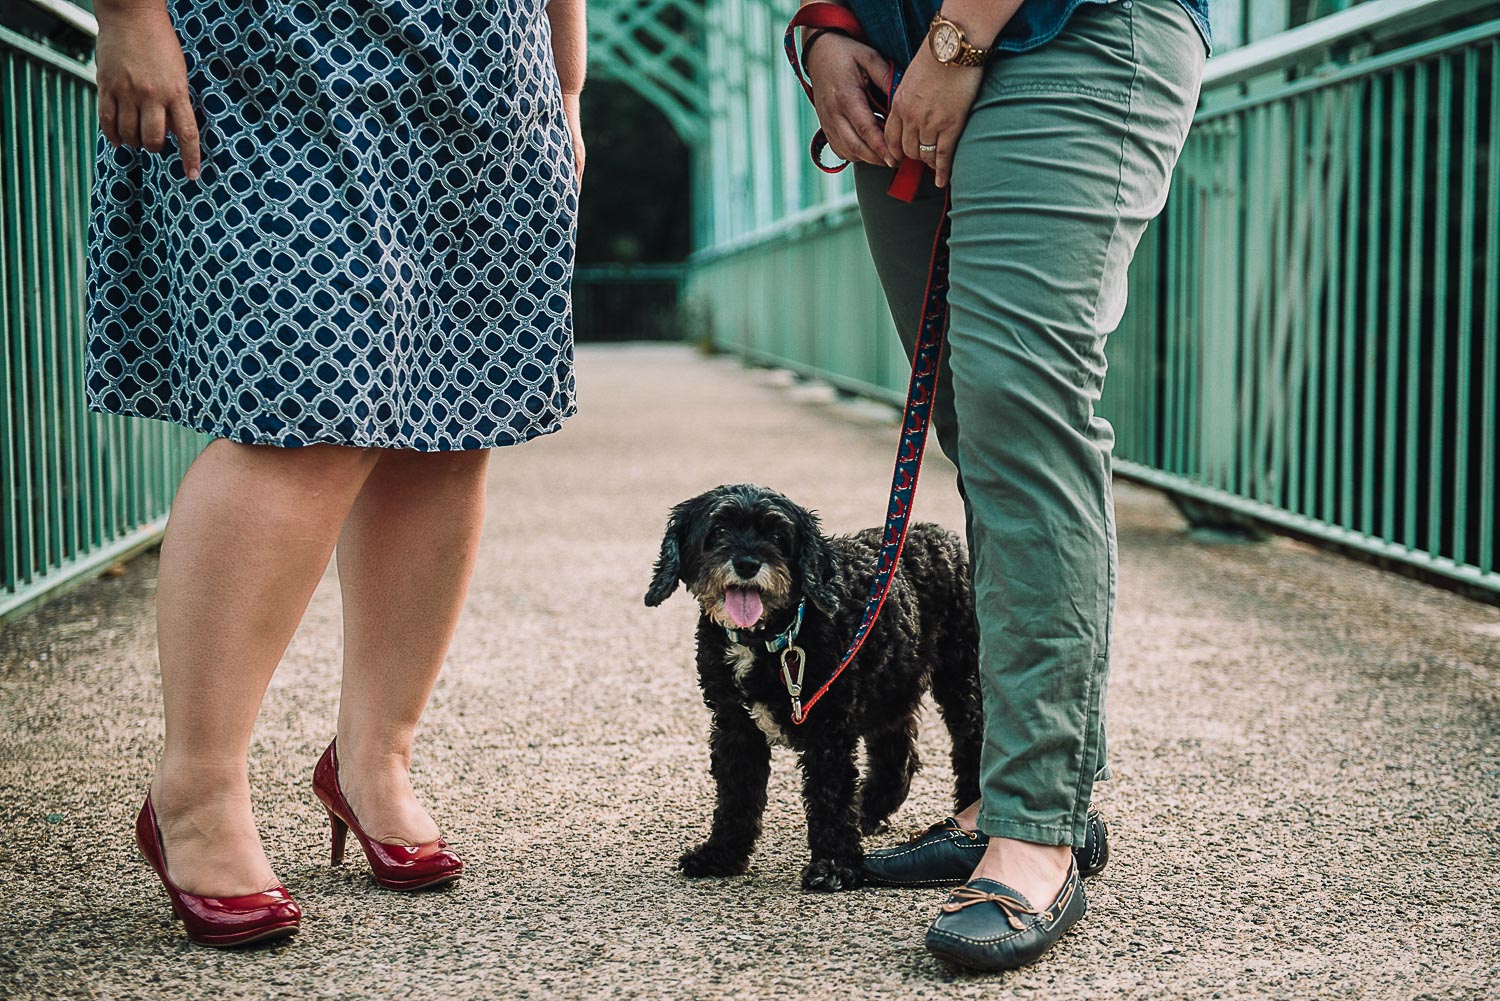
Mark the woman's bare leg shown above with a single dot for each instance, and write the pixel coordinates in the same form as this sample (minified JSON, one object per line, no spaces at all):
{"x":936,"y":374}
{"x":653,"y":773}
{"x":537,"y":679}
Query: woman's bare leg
{"x":250,"y":534}
{"x":404,"y":559}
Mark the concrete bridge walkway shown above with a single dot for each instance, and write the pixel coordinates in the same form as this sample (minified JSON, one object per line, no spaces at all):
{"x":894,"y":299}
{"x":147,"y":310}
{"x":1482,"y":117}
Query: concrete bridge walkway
{"x":1307,"y":752}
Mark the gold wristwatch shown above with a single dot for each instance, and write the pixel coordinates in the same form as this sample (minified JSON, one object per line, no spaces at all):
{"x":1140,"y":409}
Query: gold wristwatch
{"x":950,"y":47}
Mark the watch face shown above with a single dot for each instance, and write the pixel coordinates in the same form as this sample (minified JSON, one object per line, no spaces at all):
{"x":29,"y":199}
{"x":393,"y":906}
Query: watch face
{"x":945,"y":40}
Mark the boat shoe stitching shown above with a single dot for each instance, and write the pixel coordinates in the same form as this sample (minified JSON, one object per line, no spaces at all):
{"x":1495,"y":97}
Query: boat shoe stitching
{"x":897,"y":851}
{"x":1020,"y":928}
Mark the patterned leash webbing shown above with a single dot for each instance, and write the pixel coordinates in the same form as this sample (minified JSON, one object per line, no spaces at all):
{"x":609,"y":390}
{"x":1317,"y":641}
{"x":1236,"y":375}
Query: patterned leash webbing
{"x":922,"y":390}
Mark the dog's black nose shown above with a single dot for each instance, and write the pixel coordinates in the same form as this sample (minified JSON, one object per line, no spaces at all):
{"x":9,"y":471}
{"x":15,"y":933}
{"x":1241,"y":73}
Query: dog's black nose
{"x":746,"y":566}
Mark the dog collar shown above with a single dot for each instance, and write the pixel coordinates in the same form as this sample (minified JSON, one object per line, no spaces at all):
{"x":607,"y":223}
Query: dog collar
{"x":782,"y":640}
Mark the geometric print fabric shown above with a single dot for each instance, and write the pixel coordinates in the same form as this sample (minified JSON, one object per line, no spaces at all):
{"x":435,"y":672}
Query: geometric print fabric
{"x":379,"y":250}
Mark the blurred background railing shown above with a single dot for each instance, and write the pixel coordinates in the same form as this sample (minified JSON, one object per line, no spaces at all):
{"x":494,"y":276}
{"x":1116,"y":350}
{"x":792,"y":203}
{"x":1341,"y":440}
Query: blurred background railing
{"x":78,"y":490}
{"x":1311,"y":340}
{"x":629,"y":302}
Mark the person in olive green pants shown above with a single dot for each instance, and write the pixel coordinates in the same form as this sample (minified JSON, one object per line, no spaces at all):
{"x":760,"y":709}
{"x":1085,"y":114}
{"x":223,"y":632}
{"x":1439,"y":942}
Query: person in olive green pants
{"x":1064,"y":155}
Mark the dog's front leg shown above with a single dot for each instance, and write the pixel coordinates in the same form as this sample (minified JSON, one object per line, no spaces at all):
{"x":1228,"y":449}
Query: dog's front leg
{"x":829,"y":780}
{"x":740,"y":760}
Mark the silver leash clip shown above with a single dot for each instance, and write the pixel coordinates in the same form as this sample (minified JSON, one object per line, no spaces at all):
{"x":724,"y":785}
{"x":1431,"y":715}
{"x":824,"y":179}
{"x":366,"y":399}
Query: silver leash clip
{"x":793,"y":682}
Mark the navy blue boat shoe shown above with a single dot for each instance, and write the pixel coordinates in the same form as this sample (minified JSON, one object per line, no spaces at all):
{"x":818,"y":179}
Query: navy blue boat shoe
{"x":985,"y":925}
{"x":946,"y":854}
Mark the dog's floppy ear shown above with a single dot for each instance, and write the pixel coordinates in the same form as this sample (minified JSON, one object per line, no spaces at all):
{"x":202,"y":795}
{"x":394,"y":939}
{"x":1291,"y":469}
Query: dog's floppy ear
{"x":816,"y":563}
{"x":668,"y":570}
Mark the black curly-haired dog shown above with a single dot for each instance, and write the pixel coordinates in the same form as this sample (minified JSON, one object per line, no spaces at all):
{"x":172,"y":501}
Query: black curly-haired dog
{"x":752,"y":557}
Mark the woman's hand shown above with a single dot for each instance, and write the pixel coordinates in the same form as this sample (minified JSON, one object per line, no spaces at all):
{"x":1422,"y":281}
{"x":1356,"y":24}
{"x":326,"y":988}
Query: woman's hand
{"x":143,"y":88}
{"x":573,"y":109}
{"x":931,"y":107}
{"x":842,"y":71}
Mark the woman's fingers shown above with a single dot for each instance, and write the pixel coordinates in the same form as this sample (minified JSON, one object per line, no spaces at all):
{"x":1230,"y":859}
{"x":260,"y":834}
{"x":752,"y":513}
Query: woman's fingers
{"x":128,"y":123}
{"x":911,"y":143}
{"x":860,"y":134}
{"x":942,"y":160}
{"x":895,"y":126}
{"x":873,"y":138}
{"x":107,"y":121}
{"x":845,"y":141}
{"x":185,"y":128}
{"x":153,"y":127}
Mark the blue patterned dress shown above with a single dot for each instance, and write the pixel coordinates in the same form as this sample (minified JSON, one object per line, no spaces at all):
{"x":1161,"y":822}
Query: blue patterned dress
{"x":379,"y":251}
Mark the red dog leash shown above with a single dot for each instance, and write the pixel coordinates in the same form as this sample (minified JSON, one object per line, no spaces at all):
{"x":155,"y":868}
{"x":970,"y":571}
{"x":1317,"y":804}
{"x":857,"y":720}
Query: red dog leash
{"x":922,"y":389}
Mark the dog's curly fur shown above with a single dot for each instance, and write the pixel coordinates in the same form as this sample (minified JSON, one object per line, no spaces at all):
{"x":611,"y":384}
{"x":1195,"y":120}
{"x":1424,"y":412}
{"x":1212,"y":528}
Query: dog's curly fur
{"x":750,"y":536}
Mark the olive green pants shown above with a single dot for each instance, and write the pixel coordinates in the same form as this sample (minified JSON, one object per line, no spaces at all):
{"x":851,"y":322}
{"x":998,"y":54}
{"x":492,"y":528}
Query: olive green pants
{"x":1067,"y":155}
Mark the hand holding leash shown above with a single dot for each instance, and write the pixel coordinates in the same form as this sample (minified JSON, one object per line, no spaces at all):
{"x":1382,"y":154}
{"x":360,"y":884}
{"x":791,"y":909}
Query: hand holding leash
{"x":843,"y":73}
{"x":929,"y":110}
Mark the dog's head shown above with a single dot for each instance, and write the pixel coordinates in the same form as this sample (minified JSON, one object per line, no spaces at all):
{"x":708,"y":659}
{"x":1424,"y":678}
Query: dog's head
{"x":746,"y":553}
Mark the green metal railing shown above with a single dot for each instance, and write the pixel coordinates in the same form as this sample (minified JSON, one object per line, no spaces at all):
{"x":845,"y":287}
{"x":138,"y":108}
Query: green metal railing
{"x":1312,"y":333}
{"x":77,"y":490}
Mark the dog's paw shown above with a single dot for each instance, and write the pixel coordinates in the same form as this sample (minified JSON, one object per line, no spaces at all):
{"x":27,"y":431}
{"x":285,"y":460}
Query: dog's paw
{"x":710,"y":859}
{"x":832,"y":875}
{"x":869,"y":827}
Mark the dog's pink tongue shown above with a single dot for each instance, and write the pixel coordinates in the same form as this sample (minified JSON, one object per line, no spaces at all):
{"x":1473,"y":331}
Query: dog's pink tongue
{"x":743,"y":606}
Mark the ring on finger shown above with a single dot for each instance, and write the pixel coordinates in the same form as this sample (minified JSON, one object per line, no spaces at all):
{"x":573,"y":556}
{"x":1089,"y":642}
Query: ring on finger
{"x":924,"y":148}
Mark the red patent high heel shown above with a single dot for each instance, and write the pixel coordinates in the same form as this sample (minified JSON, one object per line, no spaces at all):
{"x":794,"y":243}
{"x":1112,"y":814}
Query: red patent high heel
{"x":218,"y":921}
{"x":395,"y":867}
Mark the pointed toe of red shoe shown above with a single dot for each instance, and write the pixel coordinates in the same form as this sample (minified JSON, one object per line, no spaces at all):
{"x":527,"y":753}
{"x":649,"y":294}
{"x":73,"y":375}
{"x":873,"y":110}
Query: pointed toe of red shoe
{"x":403,"y":867}
{"x":229,"y":921}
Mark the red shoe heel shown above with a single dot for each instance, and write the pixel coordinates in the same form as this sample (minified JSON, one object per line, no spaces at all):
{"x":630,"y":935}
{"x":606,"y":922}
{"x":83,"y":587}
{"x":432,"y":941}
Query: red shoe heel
{"x":395,"y":867}
{"x":340,"y":831}
{"x":218,"y":921}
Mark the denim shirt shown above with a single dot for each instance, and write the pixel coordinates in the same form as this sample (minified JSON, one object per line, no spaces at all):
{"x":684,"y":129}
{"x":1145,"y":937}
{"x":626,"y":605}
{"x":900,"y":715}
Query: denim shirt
{"x":898,"y":27}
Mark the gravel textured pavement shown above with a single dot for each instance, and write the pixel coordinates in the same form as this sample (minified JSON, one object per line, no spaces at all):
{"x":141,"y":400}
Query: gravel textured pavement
{"x":1306,"y":751}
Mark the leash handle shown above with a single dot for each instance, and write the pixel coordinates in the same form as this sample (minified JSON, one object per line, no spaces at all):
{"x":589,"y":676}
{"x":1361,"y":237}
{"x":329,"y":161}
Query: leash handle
{"x":829,"y":16}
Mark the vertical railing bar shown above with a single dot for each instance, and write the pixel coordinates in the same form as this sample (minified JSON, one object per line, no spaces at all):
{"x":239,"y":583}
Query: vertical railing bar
{"x":1268,"y":384}
{"x":1169,"y":381}
{"x":1369,"y":335}
{"x":70,"y":245}
{"x":97,"y":498}
{"x":35,"y":491}
{"x":48,"y":268}
{"x":1288,"y":264}
{"x":1415,"y":273}
{"x":1251,"y":254}
{"x":1192,"y":315}
{"x":10,"y":525}
{"x":1349,"y":335}
{"x":27,"y":494}
{"x":85,"y":121}
{"x":1464,"y":333}
{"x":1300,"y":283}
{"x":1226,"y":317}
{"x":1442,"y":331}
{"x":1329,"y":277}
{"x":1487,"y":557}
{"x":1394,"y":247}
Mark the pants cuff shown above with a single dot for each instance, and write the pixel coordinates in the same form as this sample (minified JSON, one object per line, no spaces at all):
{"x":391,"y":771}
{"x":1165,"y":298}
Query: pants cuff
{"x":1041,"y":834}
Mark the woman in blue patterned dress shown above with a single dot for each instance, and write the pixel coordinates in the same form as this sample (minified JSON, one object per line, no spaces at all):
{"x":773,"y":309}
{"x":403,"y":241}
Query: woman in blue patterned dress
{"x":337,"y":236}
